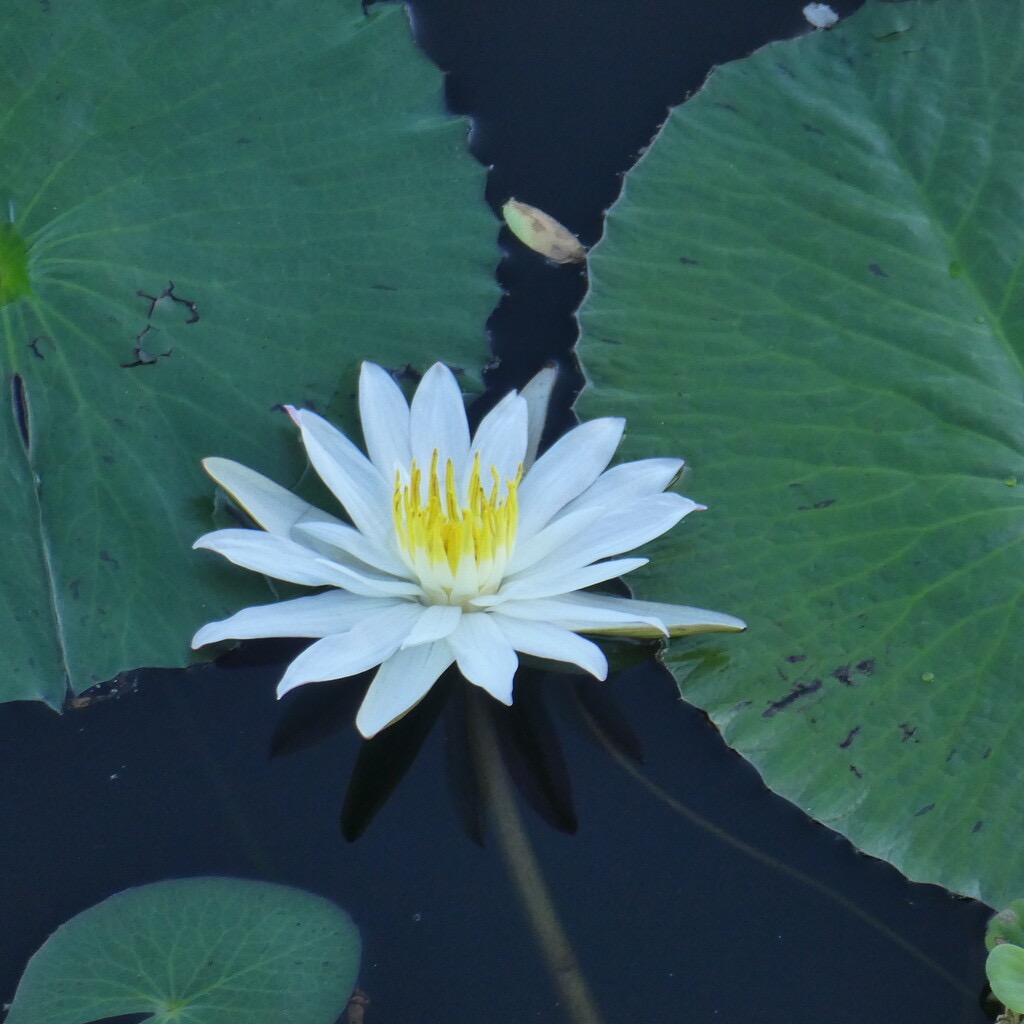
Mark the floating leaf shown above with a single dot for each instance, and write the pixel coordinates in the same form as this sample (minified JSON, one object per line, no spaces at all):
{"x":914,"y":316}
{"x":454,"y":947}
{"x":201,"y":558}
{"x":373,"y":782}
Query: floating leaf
{"x":223,"y":213}
{"x":810,"y":290}
{"x":1005,"y":970}
{"x":205,"y":950}
{"x":1006,"y":926}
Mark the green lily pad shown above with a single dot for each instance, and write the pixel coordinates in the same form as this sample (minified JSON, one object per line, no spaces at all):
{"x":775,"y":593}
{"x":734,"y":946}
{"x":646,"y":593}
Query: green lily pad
{"x":203,"y":950}
{"x":810,"y":289}
{"x":1006,"y":926}
{"x":1005,"y":970}
{"x":223,"y":212}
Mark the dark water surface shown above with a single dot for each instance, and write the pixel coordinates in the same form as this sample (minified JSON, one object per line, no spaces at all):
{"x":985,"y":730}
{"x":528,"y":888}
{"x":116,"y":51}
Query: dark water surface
{"x":671,"y":922}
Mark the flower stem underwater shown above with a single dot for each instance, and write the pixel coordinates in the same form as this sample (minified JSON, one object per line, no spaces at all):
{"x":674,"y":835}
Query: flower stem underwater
{"x":801,"y":877}
{"x":522,"y":865}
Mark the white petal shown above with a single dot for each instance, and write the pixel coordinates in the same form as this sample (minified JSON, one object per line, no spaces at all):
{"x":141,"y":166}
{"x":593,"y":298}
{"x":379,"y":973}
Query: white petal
{"x":436,"y":622}
{"x":350,"y":475}
{"x":385,"y":415}
{"x":340,"y":537}
{"x":565,"y":471}
{"x":501,"y":441}
{"x":317,"y":615}
{"x":543,"y":640}
{"x":538,"y":398}
{"x":400,"y":684}
{"x":271,"y":555}
{"x":274,"y":507}
{"x":484,"y":656}
{"x":370,"y":584}
{"x":583,"y":613}
{"x":438,"y":420}
{"x":617,"y":530}
{"x":565,"y":530}
{"x":627,"y":482}
{"x":679,"y":619}
{"x":560,"y":581}
{"x":369,"y":642}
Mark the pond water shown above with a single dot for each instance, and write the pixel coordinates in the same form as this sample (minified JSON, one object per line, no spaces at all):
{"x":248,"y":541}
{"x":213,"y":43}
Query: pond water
{"x":671,"y":919}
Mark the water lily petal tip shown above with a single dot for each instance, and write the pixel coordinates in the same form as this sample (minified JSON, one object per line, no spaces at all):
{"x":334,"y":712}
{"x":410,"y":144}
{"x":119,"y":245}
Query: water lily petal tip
{"x":735,"y":626}
{"x":201,"y":637}
{"x":704,"y":621}
{"x":369,"y":369}
{"x":295,"y":415}
{"x":367,"y":730}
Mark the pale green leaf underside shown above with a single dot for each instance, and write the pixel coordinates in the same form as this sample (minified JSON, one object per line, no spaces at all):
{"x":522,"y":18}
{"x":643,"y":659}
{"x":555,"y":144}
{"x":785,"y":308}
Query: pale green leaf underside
{"x":810,"y":288}
{"x":293,"y":173}
{"x":203,"y":950}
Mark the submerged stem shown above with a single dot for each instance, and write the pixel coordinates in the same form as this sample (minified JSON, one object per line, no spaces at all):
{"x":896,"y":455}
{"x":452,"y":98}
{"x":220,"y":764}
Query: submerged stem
{"x":771,"y":862}
{"x":525,"y":871}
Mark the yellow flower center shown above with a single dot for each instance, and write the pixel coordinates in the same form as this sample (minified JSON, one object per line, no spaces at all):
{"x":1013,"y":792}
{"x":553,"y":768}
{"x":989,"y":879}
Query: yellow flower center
{"x":457,"y":546}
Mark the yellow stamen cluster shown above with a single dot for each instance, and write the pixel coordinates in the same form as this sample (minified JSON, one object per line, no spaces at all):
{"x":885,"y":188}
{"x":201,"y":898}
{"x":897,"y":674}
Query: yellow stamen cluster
{"x":458,"y":549}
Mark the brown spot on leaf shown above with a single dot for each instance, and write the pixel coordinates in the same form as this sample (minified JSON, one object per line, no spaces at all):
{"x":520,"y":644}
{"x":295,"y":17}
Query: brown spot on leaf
{"x":798,"y":691}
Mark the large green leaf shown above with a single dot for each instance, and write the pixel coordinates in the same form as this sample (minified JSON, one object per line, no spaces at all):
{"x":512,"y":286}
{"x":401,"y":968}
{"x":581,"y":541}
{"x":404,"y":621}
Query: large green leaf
{"x":204,"y":950}
{"x":292,"y":172}
{"x":811,"y":288}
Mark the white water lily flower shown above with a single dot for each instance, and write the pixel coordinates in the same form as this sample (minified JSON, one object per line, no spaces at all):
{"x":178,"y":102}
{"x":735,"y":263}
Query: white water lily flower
{"x":459,"y":549}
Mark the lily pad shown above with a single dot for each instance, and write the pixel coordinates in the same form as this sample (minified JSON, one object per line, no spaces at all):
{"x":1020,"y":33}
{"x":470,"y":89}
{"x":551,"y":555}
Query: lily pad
{"x":1005,"y":970}
{"x":211,"y":213}
{"x":810,"y":289}
{"x":205,"y":950}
